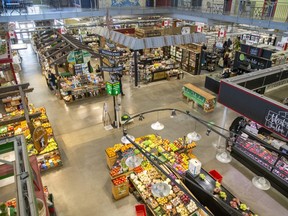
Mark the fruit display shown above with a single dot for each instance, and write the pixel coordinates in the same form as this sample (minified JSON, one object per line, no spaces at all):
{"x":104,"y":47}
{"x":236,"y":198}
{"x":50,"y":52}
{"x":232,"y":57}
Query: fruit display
{"x":202,"y":176}
{"x":191,"y":207}
{"x":49,"y":160}
{"x":222,"y":195}
{"x":182,"y":210}
{"x":185,"y":199}
{"x":126,"y":147}
{"x":191,"y":145}
{"x":120,"y":180}
{"x":111,"y":151}
{"x":115,"y":171}
{"x":174,"y":204}
{"x":10,"y":207}
{"x":162,"y":200}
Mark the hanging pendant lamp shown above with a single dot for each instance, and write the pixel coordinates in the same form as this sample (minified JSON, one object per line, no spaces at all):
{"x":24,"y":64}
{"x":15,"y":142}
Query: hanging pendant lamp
{"x":261,"y":183}
{"x":224,"y":157}
{"x":133,"y":161}
{"x":193,"y":136}
{"x":124,"y":139}
{"x":160,"y":189}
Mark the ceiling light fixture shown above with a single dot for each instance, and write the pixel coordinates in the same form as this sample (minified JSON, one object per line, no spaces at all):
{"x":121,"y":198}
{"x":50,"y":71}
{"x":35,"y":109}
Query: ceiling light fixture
{"x":133,"y":161}
{"x":208,"y":131}
{"x":160,"y":189}
{"x":193,"y":136}
{"x":141,"y":117}
{"x":261,"y":183}
{"x":173,"y":114}
{"x":224,"y":157}
{"x":157,"y":125}
{"x":124,"y":139}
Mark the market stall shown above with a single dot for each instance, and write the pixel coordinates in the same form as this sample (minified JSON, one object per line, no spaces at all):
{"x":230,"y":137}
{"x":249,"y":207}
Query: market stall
{"x":199,"y":96}
{"x":18,"y":118}
{"x":73,"y":65}
{"x":128,"y":164}
{"x":7,"y":73}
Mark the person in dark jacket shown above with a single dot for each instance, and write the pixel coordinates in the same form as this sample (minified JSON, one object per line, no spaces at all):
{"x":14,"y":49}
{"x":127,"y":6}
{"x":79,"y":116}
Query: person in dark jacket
{"x":52,"y":81}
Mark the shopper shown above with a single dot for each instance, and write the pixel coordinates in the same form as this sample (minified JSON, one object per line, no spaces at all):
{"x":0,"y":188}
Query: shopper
{"x":226,"y":60}
{"x":52,"y":81}
{"x":119,"y":77}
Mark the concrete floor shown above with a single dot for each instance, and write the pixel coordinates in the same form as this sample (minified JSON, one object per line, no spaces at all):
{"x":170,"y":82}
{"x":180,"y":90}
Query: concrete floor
{"x":83,"y":185}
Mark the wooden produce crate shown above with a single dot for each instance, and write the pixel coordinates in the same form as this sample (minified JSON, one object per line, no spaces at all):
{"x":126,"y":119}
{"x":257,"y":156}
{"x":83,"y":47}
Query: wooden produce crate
{"x":120,"y":191}
{"x":110,"y":160}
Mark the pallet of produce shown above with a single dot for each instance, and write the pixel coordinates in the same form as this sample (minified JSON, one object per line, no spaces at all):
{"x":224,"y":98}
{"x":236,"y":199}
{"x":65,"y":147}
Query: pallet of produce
{"x":120,"y":187}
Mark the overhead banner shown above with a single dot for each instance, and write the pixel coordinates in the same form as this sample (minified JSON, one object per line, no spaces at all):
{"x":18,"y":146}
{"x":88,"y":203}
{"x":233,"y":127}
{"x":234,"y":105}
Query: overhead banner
{"x":112,"y":69}
{"x":110,"y":53}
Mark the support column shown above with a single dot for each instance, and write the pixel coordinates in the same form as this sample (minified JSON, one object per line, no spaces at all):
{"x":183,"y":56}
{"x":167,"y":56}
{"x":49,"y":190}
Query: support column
{"x":13,"y":73}
{"x":26,"y":111}
{"x":135,"y":68}
{"x":224,"y":117}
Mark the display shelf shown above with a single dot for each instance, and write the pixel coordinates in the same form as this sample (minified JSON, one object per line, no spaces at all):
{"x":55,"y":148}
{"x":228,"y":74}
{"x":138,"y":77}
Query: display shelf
{"x":12,"y":119}
{"x":49,"y":160}
{"x":80,"y":87}
{"x":257,"y":152}
{"x":261,"y":166}
{"x":281,"y":169}
{"x":209,"y":185}
{"x":261,"y":141}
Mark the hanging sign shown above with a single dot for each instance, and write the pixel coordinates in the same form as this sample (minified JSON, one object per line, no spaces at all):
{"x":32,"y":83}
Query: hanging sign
{"x":277,"y":121}
{"x":110,"y":53}
{"x":79,"y":57}
{"x":113,"y":88}
{"x":112,"y":69}
{"x":40,"y":138}
{"x":110,"y":44}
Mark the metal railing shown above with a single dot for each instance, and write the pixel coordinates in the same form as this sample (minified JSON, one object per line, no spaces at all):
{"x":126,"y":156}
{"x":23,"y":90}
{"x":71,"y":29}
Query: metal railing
{"x":242,"y":8}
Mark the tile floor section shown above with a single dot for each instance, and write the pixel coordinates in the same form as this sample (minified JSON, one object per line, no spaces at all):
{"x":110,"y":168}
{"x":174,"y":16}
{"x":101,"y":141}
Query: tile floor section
{"x":82,"y":186}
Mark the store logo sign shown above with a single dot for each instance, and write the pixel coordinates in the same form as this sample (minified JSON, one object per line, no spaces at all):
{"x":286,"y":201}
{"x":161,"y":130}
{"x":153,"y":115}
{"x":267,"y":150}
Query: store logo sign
{"x":278,"y":122}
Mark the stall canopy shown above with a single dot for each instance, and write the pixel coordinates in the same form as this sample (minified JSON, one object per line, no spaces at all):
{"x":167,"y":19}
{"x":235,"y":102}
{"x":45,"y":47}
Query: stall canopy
{"x":151,"y":42}
{"x":61,"y":46}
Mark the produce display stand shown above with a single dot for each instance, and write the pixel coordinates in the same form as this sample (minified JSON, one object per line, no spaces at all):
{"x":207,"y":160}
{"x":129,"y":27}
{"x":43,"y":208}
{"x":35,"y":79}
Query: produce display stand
{"x":141,"y":177}
{"x":255,"y":156}
{"x":199,"y":96}
{"x":24,"y":119}
{"x":209,"y":184}
{"x":74,"y":88}
{"x":6,"y":57}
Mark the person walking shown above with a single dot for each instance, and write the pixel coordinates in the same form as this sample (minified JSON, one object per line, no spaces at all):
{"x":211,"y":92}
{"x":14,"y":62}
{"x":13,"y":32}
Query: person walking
{"x":52,"y":81}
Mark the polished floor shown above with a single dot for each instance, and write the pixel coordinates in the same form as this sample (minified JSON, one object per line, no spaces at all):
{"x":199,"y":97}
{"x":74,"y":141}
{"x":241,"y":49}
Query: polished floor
{"x":83,"y":185}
